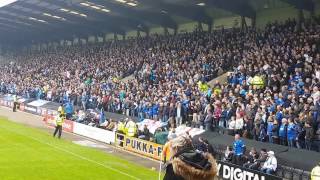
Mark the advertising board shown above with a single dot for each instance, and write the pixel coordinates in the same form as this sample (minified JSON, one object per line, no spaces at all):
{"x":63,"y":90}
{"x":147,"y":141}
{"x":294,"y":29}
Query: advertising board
{"x":145,"y":148}
{"x":94,"y":133}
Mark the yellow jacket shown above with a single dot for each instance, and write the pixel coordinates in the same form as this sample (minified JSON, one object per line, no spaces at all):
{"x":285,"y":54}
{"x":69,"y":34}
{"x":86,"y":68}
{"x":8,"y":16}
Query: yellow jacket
{"x":59,"y":120}
{"x":121,"y":128}
{"x":61,"y":110}
{"x":131,"y":129}
{"x":315,"y":173}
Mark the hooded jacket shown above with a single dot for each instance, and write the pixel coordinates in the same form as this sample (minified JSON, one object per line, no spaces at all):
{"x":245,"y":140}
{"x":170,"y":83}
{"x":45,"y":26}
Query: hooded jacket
{"x":191,"y":165}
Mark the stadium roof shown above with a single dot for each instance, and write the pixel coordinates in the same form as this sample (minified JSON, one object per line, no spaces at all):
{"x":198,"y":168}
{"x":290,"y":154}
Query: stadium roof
{"x":47,"y":20}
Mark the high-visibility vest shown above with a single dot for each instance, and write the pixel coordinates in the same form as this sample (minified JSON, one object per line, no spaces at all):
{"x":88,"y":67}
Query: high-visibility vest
{"x":257,"y":82}
{"x":15,"y":99}
{"x":315,"y":173}
{"x":61,"y":110}
{"x":59,"y":120}
{"x":121,"y":127}
{"x":131,"y":129}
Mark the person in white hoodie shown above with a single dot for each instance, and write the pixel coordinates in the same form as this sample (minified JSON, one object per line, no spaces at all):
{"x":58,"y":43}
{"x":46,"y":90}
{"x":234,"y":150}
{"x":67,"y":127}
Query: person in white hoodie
{"x":270,"y":166}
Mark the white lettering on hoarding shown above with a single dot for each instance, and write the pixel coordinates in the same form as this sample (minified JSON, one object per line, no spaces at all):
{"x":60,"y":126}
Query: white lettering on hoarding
{"x":233,"y":173}
{"x":94,"y":133}
{"x":30,"y":109}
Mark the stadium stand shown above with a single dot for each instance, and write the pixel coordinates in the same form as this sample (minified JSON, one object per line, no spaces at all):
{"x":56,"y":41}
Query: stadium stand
{"x":271,"y":95}
{"x":275,"y":78}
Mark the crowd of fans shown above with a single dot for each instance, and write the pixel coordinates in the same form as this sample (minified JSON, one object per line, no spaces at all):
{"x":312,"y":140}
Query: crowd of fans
{"x":271,"y":95}
{"x":285,"y":108}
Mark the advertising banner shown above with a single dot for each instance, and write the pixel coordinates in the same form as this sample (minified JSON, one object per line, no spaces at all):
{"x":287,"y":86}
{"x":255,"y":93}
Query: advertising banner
{"x":192,"y":131}
{"x":66,"y":126}
{"x":94,"y":133}
{"x":7,"y":103}
{"x":151,"y":124}
{"x":39,"y":111}
{"x":38,"y":103}
{"x":145,"y":148}
{"x":44,"y":112}
{"x":30,"y":109}
{"x":234,"y":172}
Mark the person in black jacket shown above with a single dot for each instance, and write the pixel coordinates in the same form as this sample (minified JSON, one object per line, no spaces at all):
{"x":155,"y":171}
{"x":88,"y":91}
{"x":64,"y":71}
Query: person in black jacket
{"x":308,"y":136}
{"x":251,"y":158}
{"x":257,"y":163}
{"x":145,"y":133}
{"x":189,"y":164}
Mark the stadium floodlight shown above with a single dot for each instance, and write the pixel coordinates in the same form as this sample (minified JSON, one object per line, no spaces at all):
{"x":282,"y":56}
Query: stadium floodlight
{"x":201,"y":4}
{"x":64,"y":10}
{"x":46,"y":14}
{"x":132,"y":4}
{"x":95,"y":7}
{"x":83,"y":15}
{"x":74,"y":12}
{"x":85,"y":4}
{"x":43,"y":21}
{"x":105,"y":10}
{"x":6,"y":2}
{"x":38,"y":20}
{"x":121,"y":1}
{"x":55,"y":17}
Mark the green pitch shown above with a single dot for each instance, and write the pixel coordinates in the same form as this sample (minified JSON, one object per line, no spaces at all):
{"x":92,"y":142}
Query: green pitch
{"x":32,"y":154}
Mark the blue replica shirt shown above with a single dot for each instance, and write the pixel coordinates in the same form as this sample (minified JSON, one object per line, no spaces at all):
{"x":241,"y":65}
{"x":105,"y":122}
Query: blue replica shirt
{"x":241,"y":79}
{"x":243,"y":92}
{"x":279,"y":116}
{"x":292,"y":132}
{"x":102,"y":117}
{"x":155,"y":109}
{"x":68,"y":108}
{"x":279,"y":101}
{"x":269,"y":128}
{"x":282,"y":130}
{"x":238,"y":147}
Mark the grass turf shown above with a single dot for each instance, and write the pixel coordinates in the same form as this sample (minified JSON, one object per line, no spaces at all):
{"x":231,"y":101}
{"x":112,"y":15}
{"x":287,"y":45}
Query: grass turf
{"x":28,"y":153}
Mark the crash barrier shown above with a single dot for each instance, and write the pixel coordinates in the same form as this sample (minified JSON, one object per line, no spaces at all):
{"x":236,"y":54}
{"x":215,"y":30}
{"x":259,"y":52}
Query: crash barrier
{"x":139,"y":146}
{"x":150,"y":149}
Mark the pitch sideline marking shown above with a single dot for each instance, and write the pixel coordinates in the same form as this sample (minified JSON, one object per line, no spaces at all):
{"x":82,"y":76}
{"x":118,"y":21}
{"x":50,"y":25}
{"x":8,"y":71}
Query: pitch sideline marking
{"x":80,"y":136}
{"x":72,"y":153}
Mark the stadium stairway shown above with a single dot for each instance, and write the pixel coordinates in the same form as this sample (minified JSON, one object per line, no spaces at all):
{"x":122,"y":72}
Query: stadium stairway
{"x":128,"y":78}
{"x":221,"y":79}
